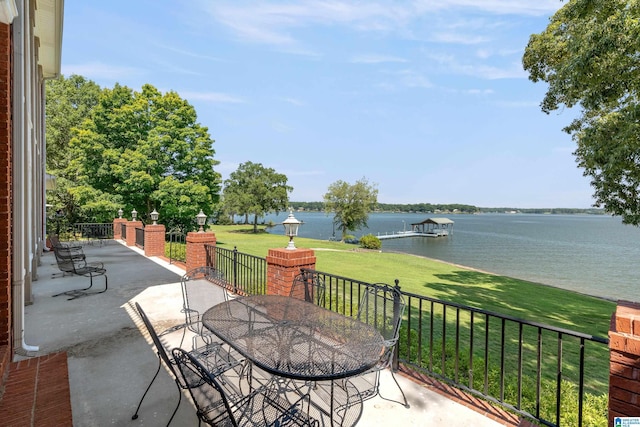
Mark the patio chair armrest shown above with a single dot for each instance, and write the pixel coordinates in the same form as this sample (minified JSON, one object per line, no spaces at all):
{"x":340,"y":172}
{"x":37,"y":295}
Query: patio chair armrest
{"x":98,"y":265}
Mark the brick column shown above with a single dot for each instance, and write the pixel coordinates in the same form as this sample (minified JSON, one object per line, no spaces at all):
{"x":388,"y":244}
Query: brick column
{"x":131,"y":232}
{"x":624,"y":361}
{"x":196,"y":253}
{"x":154,"y":240}
{"x":283,"y":265}
{"x":117,"y":228}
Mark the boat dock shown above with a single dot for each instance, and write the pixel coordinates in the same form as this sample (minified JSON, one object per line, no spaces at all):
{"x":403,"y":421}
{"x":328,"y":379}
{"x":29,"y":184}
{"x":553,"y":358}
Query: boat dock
{"x":431,"y":227}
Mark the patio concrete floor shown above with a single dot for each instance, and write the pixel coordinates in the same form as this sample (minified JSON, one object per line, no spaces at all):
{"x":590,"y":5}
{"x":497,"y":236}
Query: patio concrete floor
{"x":111,"y":361}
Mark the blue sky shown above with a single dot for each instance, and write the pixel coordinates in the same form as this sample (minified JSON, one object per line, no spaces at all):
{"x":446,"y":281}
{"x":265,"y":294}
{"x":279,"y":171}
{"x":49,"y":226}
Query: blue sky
{"x":426,"y":99}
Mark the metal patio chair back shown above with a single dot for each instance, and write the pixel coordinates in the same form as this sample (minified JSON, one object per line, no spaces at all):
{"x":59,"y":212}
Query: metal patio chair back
{"x":216,"y":358}
{"x":215,"y":405}
{"x":309,"y":287}
{"x":382,"y":306}
{"x":163,"y":357}
{"x":56,"y":243}
{"x":200,"y":291}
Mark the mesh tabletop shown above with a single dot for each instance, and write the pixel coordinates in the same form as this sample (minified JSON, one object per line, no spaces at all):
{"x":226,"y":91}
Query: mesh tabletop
{"x":295,"y":339}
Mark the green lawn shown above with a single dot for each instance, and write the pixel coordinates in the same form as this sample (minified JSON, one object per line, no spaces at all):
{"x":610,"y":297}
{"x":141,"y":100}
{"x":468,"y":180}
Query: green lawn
{"x":505,"y":295}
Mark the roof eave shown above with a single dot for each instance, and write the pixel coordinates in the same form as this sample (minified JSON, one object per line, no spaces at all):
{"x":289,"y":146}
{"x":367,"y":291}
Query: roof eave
{"x":48,"y":30}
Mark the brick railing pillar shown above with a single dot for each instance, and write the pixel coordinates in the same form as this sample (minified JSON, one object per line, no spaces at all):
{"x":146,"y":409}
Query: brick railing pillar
{"x":131,"y":232}
{"x":196,"y":253}
{"x":624,"y":361}
{"x":283,"y":265}
{"x":117,"y":228}
{"x":154,"y":240}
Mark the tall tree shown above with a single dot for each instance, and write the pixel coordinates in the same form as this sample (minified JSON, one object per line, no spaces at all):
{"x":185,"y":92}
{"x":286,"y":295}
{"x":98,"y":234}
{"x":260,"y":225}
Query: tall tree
{"x":144,"y":150}
{"x":589,"y":55}
{"x":69,"y":101}
{"x":255,"y":190}
{"x":350,"y":204}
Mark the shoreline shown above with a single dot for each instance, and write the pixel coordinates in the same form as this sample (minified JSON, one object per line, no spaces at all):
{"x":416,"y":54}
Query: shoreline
{"x":502,"y":275}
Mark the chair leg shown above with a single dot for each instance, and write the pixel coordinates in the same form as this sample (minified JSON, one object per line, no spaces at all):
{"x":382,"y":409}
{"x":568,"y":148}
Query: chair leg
{"x":178,"y":405}
{"x":406,"y":404}
{"x":184,"y":334}
{"x":77,"y":293}
{"x":135,"y":416}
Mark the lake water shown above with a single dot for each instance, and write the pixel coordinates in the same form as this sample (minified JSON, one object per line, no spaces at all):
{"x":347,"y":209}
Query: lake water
{"x":592,"y":254}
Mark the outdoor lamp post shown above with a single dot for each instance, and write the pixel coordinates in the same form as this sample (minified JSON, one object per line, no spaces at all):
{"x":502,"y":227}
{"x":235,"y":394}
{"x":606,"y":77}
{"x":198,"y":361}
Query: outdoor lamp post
{"x":154,"y":217}
{"x":120,"y":212}
{"x":202,"y":219}
{"x":134,"y":214}
{"x":291,"y":225}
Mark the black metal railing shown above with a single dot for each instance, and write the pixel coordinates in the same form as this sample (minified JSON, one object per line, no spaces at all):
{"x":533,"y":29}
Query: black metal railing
{"x":246,"y":274}
{"x":533,"y":369}
{"x":93,"y":230}
{"x":140,"y":237}
{"x":123,"y":231}
{"x":177,"y":250}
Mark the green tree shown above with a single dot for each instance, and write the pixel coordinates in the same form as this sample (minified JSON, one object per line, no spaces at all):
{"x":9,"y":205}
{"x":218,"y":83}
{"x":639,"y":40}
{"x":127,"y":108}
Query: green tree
{"x":255,"y":190}
{"x":69,"y":101}
{"x":143,"y":150}
{"x":350,"y":204}
{"x":589,"y":55}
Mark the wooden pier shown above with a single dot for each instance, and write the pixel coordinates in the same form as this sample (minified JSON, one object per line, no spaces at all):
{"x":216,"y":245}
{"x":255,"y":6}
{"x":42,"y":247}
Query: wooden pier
{"x":401,"y":234}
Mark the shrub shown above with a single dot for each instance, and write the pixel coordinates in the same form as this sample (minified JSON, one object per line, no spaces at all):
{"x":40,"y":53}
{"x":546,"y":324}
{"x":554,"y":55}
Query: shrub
{"x":370,"y":242}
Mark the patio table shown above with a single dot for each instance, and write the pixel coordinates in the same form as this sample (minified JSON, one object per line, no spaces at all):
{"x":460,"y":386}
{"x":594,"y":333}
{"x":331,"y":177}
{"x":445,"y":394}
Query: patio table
{"x":292,"y":338}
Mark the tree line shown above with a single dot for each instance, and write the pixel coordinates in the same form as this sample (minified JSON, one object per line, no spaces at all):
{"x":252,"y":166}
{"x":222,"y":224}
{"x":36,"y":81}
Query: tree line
{"x":452,"y":208}
{"x":118,"y":149}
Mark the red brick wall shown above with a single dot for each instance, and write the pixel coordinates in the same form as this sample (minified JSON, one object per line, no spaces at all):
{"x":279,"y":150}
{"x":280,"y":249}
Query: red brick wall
{"x":282,"y":267}
{"x":117,"y":228}
{"x":5,"y":200}
{"x":154,"y":240}
{"x":131,"y":232}
{"x":624,"y":361}
{"x":196,"y":253}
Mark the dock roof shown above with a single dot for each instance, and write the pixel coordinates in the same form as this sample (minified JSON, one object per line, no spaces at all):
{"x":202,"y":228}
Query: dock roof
{"x":439,"y":221}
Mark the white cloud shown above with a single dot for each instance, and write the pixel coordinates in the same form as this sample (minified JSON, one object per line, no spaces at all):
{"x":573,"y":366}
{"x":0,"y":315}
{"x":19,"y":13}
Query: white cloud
{"x":274,"y":23}
{"x":376,"y":59}
{"x":451,"y":64}
{"x":499,"y":7}
{"x":294,"y":101}
{"x":480,"y":91}
{"x":458,"y":38}
{"x":412,"y":78}
{"x":214,"y":97}
{"x":100,"y":71}
{"x":281,"y":127}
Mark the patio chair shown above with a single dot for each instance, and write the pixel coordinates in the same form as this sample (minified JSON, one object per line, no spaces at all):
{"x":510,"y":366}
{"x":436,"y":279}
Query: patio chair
{"x":382,"y":306}
{"x":202,"y":288}
{"x":215,"y":405}
{"x":72,"y":260}
{"x":56,"y":243}
{"x":310,"y":287}
{"x":214,"y":357}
